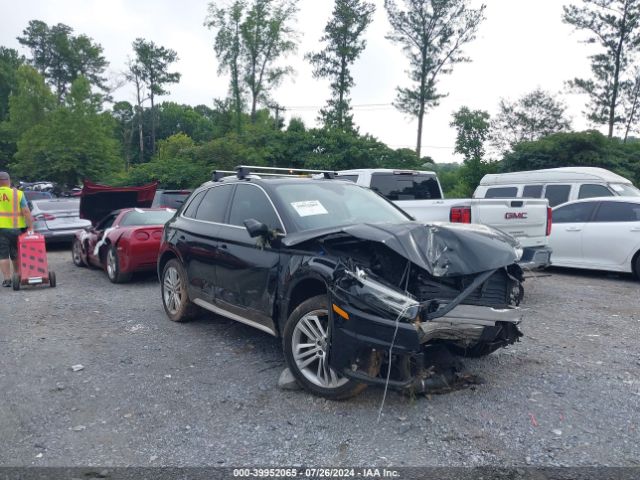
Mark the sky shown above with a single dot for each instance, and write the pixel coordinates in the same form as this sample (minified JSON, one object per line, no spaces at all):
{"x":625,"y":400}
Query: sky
{"x":522,"y":45}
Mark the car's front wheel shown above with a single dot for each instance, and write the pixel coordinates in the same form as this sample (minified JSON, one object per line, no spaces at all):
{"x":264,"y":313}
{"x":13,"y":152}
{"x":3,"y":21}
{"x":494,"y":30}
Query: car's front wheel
{"x":306,"y":349}
{"x":175,"y":299}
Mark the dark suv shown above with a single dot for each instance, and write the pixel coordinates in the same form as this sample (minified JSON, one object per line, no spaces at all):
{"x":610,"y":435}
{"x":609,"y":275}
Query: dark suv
{"x":354,"y":287}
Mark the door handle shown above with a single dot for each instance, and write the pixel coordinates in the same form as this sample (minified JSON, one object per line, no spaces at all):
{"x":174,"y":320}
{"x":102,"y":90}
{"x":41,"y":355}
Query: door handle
{"x":635,"y":229}
{"x":573,"y":229}
{"x":182,"y":237}
{"x":223,"y":246}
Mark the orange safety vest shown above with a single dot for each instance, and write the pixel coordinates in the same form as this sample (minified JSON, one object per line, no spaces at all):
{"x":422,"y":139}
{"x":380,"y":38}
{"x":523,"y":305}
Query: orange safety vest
{"x":10,"y":212}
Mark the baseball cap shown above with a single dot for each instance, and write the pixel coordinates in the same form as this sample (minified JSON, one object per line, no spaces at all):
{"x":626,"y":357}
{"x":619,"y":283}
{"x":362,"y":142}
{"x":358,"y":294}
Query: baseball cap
{"x":4,"y":176}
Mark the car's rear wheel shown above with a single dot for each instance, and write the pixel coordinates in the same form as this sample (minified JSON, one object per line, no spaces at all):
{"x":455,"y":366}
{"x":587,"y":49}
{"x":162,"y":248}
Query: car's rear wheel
{"x":175,"y":298}
{"x":306,"y":349}
{"x":76,"y":253}
{"x":112,"y":265}
{"x":636,"y":266}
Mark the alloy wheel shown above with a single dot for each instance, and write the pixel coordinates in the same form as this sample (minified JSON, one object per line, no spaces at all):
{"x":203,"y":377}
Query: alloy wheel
{"x":310,"y":350}
{"x":172,"y":290}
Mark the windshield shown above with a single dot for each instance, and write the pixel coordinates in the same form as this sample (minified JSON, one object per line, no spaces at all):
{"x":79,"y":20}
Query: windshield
{"x":333,"y":204}
{"x":624,"y":190}
{"x":147,"y":217}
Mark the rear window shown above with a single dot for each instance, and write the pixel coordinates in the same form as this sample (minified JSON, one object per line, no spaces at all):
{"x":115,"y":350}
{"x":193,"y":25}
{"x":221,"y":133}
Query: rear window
{"x":170,"y":199}
{"x":557,"y":194}
{"x":502,"y":192}
{"x":618,"y":212}
{"x":532,"y":191}
{"x":50,"y":206}
{"x":405,"y":186}
{"x":31,"y":195}
{"x":593,"y":190}
{"x":147,"y":217}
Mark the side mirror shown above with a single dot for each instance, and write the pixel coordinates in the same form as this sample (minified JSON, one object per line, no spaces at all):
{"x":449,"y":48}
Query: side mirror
{"x":256,"y":228}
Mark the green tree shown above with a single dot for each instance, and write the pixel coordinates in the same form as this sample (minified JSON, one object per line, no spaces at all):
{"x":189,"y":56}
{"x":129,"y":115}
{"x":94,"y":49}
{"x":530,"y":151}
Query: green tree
{"x":61,"y":57}
{"x":344,"y":44}
{"x":228,"y":47}
{"x":535,"y":115}
{"x":614,"y":25}
{"x":250,"y":39}
{"x":151,"y":67}
{"x":267,"y":36}
{"x":72,"y":143}
{"x":472,"y":127}
{"x":10,"y":60}
{"x":122,"y":112}
{"x":432,"y":34}
{"x":579,"y":149}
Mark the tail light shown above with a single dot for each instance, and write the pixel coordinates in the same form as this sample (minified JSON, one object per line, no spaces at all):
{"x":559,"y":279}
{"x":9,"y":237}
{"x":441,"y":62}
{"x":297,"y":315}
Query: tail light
{"x":460,"y":215}
{"x":47,"y":217}
{"x":549,"y":220}
{"x":141,"y":236}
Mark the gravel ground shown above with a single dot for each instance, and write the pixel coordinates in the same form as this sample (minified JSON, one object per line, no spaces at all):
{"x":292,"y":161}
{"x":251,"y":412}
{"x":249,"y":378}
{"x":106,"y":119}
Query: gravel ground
{"x":153,"y":392}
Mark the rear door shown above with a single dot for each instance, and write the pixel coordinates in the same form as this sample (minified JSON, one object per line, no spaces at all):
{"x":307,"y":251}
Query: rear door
{"x":198,"y":243}
{"x":566,"y":234}
{"x":612,"y":236}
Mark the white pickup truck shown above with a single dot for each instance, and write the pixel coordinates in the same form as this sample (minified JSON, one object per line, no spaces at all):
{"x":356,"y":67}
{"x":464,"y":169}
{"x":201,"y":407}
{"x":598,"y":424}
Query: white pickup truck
{"x":419,"y":194}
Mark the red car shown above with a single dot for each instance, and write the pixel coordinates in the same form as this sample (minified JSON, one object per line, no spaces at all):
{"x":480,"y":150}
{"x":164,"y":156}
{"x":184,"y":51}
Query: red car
{"x":125,"y":235}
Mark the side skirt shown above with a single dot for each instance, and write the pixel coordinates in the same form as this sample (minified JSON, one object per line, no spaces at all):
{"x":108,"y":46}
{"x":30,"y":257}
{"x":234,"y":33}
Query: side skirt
{"x":233,"y":316}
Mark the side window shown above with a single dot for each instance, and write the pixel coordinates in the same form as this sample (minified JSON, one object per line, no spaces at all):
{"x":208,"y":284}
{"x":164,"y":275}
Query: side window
{"x":557,"y":194}
{"x":190,"y":211}
{"x":106,"y":223}
{"x":591,"y":190}
{"x":406,"y":186}
{"x":502,"y":192}
{"x":214,"y":204}
{"x":618,"y":212}
{"x":251,"y":202}
{"x":532,"y":191}
{"x":574,"y":213}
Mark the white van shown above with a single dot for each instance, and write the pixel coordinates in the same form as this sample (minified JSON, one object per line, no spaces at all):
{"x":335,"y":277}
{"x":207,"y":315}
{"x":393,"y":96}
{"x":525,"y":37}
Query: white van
{"x":558,"y":185}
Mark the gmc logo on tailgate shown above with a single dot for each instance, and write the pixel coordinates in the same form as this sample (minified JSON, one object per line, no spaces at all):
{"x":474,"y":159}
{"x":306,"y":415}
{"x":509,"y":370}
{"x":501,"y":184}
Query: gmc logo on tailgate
{"x":515,"y":215}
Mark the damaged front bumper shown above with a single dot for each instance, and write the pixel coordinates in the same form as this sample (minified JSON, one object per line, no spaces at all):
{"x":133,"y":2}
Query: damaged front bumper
{"x":369,"y":316}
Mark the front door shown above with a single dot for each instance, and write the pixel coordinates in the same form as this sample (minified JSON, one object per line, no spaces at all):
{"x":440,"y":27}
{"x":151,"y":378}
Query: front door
{"x":247,"y":268}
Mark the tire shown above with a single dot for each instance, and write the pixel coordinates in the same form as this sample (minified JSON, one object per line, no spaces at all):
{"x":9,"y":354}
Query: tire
{"x":307,"y":325}
{"x":52,"y":279}
{"x":175,"y":299}
{"x":112,"y":266}
{"x":76,"y":253}
{"x":636,"y":266}
{"x":15,"y":281}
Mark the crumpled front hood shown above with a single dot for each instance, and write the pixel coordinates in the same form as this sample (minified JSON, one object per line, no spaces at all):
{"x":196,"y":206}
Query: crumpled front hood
{"x":442,"y":249}
{"x":96,"y":201}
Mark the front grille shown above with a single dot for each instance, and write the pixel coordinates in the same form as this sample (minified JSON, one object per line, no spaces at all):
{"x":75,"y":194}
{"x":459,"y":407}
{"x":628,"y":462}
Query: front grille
{"x":492,"y":293}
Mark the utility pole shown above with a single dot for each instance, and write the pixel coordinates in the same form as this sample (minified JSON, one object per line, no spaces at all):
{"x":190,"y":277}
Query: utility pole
{"x":277,"y":107}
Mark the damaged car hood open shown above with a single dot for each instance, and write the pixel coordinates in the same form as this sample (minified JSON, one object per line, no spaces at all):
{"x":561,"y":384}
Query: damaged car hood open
{"x":96,"y":201}
{"x":442,"y":249}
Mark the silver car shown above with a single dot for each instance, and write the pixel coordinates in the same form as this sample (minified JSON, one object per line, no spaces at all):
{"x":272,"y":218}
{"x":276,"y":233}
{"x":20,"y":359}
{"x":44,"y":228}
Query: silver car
{"x":58,"y":218}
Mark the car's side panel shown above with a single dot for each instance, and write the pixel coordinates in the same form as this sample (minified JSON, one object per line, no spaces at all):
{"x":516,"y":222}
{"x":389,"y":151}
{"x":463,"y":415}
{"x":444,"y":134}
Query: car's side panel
{"x":197,"y":243}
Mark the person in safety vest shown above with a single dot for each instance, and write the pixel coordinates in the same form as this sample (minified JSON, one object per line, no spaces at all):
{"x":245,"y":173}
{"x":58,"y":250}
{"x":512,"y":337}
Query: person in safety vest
{"x":15,"y":217}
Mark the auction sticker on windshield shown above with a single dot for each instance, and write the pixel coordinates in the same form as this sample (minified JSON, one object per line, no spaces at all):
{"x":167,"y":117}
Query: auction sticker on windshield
{"x":309,"y":207}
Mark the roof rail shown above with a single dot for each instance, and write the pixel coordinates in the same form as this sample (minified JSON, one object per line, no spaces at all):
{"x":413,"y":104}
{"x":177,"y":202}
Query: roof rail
{"x":245,"y":170}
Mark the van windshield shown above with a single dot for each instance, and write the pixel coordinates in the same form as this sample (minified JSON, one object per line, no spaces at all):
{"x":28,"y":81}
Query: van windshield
{"x":625,"y":190}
